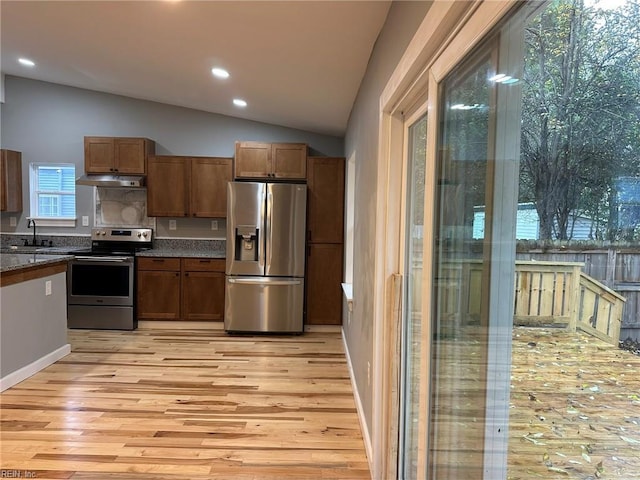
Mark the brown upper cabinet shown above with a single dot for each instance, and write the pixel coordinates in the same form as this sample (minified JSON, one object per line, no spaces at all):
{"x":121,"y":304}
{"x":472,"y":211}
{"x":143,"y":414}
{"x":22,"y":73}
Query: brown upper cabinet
{"x":11,"y":182}
{"x":325,"y":222}
{"x":122,"y":155}
{"x":188,"y":186}
{"x":283,"y":161}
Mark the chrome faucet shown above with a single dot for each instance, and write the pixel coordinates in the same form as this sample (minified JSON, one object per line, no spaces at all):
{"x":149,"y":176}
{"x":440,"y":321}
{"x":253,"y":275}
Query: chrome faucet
{"x":32,"y":223}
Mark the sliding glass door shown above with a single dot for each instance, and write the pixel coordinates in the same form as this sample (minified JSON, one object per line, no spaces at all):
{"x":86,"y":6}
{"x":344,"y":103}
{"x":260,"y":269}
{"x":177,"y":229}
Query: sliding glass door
{"x":456,"y":350}
{"x":462,"y":270}
{"x":412,"y":352}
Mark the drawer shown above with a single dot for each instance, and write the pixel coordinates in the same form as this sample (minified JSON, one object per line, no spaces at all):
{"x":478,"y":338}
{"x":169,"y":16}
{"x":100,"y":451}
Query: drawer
{"x":203,"y":264}
{"x":158,"y":263}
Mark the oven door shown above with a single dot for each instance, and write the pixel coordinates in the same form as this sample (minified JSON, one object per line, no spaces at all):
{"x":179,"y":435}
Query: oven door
{"x":101,"y":280}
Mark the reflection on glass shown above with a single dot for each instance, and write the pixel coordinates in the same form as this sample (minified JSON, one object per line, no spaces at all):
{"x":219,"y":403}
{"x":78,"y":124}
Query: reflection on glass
{"x":456,"y":427}
{"x":413,"y":296}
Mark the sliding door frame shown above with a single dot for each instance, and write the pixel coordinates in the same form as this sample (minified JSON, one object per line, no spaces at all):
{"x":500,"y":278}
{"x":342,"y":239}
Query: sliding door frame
{"x":448,"y":27}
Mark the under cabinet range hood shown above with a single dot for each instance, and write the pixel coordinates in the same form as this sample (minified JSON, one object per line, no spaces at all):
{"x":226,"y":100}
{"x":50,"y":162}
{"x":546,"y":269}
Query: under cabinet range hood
{"x":112,"y":180}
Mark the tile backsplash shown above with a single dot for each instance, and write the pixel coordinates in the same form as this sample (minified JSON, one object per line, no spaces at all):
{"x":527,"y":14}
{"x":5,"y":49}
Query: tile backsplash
{"x":122,"y":207}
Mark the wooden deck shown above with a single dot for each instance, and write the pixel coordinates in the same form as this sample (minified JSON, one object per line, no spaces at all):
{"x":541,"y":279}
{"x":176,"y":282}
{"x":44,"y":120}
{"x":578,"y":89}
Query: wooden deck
{"x":575,"y":408}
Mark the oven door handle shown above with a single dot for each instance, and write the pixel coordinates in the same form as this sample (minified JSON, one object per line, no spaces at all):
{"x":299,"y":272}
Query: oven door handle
{"x":105,"y":259}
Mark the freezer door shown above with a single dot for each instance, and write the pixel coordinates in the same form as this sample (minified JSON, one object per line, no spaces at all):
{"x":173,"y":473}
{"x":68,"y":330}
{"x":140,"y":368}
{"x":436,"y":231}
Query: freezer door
{"x":285,"y":229}
{"x":245,"y":228}
{"x":264,"y":304}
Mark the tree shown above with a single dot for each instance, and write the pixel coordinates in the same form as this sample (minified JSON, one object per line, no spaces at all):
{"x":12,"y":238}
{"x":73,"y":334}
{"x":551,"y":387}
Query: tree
{"x":581,"y":115}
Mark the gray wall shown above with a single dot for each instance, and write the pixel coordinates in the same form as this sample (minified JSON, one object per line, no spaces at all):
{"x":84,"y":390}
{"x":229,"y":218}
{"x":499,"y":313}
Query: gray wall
{"x":362,"y":141}
{"x":47,"y":123}
{"x":33,"y":324}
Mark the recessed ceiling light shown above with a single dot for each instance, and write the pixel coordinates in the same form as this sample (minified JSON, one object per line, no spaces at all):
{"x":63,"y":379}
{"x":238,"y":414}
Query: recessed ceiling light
{"x":26,"y":62}
{"x":220,"y":72}
{"x":238,"y":102}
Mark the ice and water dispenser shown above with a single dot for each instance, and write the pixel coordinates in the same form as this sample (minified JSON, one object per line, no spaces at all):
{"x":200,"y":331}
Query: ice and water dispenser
{"x":246,"y":244}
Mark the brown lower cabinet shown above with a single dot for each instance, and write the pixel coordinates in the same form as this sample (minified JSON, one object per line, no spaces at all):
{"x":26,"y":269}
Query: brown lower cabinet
{"x":180,"y":288}
{"x":202,"y":289}
{"x":324,"y":289}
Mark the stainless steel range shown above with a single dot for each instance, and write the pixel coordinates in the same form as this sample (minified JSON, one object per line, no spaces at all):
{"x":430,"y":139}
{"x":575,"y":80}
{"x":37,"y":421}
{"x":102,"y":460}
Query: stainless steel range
{"x":101,"y":281}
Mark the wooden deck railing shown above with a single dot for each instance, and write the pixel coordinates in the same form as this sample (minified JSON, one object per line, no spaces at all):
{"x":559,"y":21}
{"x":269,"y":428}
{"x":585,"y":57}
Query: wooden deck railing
{"x":556,"y":294}
{"x":560,"y":294}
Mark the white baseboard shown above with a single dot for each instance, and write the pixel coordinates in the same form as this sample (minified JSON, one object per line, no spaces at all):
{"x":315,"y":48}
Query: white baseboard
{"x":25,"y":372}
{"x":363,"y":424}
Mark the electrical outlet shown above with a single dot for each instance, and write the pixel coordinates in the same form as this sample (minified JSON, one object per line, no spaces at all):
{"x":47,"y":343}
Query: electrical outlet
{"x":214,"y":224}
{"x":85,"y":220}
{"x":12,"y":221}
{"x":47,"y":287}
{"x":172,"y":225}
{"x":368,"y":374}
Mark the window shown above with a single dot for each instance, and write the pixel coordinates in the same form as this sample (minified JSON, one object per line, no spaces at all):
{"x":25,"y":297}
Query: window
{"x":53,"y":193}
{"x":535,"y":152}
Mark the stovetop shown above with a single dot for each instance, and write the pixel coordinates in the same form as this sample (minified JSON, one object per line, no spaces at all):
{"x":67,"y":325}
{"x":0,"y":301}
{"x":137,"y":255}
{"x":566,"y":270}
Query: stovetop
{"x":120,"y":241}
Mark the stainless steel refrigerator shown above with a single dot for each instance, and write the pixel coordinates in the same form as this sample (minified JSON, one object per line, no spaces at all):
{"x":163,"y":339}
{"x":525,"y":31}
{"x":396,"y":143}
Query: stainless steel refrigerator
{"x":266,"y":224}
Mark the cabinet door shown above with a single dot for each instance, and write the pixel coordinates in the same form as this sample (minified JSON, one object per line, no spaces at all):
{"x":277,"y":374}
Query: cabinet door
{"x":3,"y":181}
{"x":158,"y":294}
{"x":99,"y":154}
{"x":130,"y":155}
{"x":289,"y":160}
{"x":209,"y":178}
{"x":202,"y":295}
{"x":325,"y":221}
{"x":253,"y":160}
{"x":323,"y":283}
{"x":167,"y":180}
{"x":11,"y":182}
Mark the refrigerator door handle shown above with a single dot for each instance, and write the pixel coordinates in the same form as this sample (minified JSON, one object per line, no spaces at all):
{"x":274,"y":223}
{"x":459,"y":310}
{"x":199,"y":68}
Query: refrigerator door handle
{"x":269,"y":231}
{"x":263,"y":281}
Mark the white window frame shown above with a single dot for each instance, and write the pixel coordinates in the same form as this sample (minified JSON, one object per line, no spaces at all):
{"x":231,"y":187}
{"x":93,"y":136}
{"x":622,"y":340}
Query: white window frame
{"x":33,"y":196}
{"x":420,"y":71}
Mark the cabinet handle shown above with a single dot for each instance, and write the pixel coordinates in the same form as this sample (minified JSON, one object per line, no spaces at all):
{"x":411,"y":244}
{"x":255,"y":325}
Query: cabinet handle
{"x":186,"y":274}
{"x":177,"y":274}
{"x":205,"y":261}
{"x":158,"y":260}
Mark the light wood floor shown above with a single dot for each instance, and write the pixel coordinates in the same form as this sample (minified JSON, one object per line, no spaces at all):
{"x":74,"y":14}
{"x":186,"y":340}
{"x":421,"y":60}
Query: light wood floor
{"x":186,"y":404}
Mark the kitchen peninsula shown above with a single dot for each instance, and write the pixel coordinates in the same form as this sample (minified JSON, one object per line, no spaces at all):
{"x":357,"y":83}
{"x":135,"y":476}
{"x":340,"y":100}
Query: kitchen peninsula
{"x":33,"y":314}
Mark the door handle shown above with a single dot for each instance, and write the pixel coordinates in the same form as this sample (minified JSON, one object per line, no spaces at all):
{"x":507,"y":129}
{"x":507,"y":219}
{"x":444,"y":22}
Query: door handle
{"x":264,"y":282}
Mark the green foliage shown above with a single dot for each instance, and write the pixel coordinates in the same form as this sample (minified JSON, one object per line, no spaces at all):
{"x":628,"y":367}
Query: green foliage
{"x":581,"y":112}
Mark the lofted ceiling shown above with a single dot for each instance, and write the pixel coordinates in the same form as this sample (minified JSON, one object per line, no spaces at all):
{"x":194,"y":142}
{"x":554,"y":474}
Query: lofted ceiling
{"x":297,"y":63}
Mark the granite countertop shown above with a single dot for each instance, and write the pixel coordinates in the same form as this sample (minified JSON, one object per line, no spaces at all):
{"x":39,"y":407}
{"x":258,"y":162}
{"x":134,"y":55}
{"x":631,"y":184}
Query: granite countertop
{"x":41,"y":250}
{"x":17,"y":261}
{"x":181,"y":252}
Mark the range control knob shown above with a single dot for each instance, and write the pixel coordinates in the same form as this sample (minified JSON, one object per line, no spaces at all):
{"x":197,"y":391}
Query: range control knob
{"x":145,"y":234}
{"x":139,"y":234}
